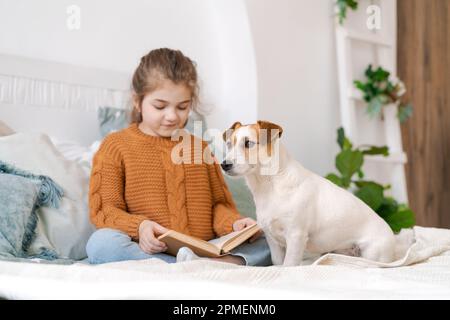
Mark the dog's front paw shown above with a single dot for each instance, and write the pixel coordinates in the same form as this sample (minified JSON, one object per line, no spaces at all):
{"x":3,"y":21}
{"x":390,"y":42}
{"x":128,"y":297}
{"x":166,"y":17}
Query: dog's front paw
{"x":277,"y":257}
{"x":277,"y":260}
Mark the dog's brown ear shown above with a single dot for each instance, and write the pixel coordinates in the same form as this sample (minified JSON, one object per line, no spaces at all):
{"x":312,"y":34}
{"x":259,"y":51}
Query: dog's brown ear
{"x":235,"y":125}
{"x":269,"y":126}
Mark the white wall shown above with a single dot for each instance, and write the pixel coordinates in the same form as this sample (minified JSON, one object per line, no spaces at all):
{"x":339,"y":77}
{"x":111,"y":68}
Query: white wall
{"x":238,"y":99}
{"x":115,"y":34}
{"x":270,"y":59}
{"x":297,"y":75}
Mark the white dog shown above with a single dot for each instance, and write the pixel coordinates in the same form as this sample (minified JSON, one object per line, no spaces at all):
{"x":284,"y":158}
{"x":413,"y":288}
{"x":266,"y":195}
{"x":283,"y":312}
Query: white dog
{"x":298,"y":210}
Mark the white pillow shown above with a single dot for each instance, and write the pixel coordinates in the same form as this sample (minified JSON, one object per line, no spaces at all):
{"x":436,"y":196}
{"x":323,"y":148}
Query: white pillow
{"x":67,"y":228}
{"x":73,"y":151}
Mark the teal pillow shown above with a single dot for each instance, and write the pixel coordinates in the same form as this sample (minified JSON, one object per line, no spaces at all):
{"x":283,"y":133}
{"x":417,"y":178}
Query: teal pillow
{"x":242,"y":196}
{"x":18,"y":221}
{"x":21,"y":194}
{"x":112,"y":119}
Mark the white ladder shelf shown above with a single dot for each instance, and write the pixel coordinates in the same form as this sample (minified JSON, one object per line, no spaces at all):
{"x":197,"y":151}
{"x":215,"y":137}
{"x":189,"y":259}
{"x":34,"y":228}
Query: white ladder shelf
{"x":380,"y":47}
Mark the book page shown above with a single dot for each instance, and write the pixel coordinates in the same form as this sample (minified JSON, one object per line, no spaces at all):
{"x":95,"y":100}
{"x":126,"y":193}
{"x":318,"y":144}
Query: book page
{"x":175,"y":240}
{"x":213,"y":248}
{"x":219,"y":242}
{"x":224,"y":240}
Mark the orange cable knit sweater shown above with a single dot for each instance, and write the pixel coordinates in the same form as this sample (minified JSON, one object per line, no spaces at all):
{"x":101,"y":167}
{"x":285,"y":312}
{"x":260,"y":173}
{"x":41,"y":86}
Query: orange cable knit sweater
{"x":134,"y":179}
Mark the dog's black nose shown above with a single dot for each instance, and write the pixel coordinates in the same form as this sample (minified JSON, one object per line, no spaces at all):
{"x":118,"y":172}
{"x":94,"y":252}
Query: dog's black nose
{"x":226,"y":166}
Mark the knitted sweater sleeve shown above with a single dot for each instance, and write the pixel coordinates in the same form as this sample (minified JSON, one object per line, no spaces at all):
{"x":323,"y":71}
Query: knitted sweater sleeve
{"x":106,"y":192}
{"x":225,"y":212}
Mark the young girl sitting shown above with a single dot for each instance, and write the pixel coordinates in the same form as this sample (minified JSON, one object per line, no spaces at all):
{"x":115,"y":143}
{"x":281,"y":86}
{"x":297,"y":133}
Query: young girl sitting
{"x":138,"y":193}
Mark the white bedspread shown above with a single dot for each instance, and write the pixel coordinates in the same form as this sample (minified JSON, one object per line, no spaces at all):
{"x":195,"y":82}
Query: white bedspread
{"x":424,"y":272}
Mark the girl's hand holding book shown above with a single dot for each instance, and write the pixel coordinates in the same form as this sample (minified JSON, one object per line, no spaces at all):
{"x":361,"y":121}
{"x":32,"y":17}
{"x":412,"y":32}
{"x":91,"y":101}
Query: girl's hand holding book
{"x":245,"y":222}
{"x":148,"y":233}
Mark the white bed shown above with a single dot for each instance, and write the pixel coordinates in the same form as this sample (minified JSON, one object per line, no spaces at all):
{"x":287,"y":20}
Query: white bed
{"x":61,"y":101}
{"x":423,"y":274}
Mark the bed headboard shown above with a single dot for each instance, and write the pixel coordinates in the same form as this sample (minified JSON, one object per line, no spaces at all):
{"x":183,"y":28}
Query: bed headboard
{"x":56,"y":98}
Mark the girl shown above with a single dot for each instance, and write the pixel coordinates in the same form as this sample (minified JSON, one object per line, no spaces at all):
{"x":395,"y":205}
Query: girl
{"x":137,"y":192}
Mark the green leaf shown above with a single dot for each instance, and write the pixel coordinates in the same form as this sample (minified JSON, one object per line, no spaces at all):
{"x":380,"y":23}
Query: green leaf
{"x":374,"y":150}
{"x":388,"y":207}
{"x":346,"y":182}
{"x":360,"y":174}
{"x":369,"y":71}
{"x":381,"y":75}
{"x":343,"y":5}
{"x":342,"y":10}
{"x":352,"y":4}
{"x":342,"y":140}
{"x":404,"y":112}
{"x":402,"y":219}
{"x":341,"y":137}
{"x":349,"y":162}
{"x":335,"y":179}
{"x":363,"y":183}
{"x":371,"y":194}
{"x":359,"y":85}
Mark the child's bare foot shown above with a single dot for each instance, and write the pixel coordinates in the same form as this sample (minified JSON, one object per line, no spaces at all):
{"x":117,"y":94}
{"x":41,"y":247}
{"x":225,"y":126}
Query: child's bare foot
{"x":186,"y":254}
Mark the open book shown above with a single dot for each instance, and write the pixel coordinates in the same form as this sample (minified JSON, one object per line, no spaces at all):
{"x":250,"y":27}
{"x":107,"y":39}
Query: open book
{"x":214,"y":248}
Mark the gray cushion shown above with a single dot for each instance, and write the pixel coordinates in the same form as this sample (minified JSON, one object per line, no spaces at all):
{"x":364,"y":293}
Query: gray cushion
{"x":21,"y":194}
{"x":18,"y":196}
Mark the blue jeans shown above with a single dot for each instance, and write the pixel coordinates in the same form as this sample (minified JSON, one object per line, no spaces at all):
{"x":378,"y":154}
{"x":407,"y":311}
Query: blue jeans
{"x":109,"y":245}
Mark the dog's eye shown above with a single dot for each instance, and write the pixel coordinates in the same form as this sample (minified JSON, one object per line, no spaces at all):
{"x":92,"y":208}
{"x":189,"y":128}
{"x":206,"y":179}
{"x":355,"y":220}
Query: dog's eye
{"x":228,"y":144}
{"x":248,"y":144}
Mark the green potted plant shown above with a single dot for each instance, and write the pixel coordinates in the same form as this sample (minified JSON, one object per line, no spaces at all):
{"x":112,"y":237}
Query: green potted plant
{"x":379,"y":90}
{"x":349,"y":162}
